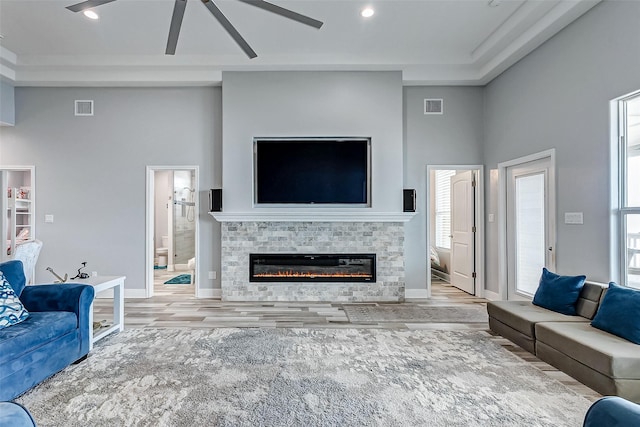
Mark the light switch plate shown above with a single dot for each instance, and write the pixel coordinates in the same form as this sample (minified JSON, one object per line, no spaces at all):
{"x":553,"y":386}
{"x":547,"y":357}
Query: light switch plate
{"x":492,"y":217}
{"x":573,"y":218}
{"x":48,"y":218}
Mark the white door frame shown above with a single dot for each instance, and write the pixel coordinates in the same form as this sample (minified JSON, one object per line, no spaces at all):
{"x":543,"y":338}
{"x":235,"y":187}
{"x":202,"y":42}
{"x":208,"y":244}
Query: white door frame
{"x":150,"y":225}
{"x":502,"y":210}
{"x":479,"y":214}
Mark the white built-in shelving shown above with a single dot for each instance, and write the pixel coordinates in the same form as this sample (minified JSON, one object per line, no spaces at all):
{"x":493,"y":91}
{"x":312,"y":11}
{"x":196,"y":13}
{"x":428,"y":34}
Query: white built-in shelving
{"x":18,"y":221}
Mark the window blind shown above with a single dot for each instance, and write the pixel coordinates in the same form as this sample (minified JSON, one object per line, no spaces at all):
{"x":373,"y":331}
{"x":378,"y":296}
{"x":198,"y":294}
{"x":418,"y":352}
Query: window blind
{"x":443,"y":207}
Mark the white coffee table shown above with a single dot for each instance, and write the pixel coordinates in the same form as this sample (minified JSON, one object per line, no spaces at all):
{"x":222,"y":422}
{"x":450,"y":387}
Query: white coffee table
{"x":102,"y":283}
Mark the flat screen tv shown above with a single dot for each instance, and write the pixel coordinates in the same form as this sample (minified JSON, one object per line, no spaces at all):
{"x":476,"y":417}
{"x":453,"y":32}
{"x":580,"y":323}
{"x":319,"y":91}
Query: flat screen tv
{"x":327,"y":171}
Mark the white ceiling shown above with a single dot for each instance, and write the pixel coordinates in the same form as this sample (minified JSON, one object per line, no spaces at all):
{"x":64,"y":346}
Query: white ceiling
{"x":430,"y":41}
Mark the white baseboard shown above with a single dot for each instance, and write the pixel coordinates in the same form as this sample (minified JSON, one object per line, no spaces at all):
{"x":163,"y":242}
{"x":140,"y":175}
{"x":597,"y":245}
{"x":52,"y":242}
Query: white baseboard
{"x":416,"y":294}
{"x":491,"y":296}
{"x":210,"y":293}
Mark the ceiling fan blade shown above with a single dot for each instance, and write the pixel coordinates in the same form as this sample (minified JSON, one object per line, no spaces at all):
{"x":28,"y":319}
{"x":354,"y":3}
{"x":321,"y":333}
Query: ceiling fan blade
{"x":174,"y":28}
{"x":217,"y":13}
{"x":284,"y":12}
{"x":79,"y":7}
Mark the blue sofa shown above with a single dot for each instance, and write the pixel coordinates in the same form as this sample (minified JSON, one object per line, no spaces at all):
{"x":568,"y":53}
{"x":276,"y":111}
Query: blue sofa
{"x":15,"y":415}
{"x":612,"y":411}
{"x":55,"y":334}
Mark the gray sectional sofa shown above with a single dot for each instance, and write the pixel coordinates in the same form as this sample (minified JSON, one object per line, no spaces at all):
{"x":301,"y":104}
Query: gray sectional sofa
{"x":607,"y":363}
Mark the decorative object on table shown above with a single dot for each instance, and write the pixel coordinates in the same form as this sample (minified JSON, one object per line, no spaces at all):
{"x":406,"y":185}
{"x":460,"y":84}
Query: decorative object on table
{"x":60,"y":279}
{"x":81,"y":275}
{"x":182,"y":279}
{"x":303,"y":377}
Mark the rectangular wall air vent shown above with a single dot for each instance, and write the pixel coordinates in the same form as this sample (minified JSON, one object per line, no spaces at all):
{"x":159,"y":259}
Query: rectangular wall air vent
{"x":433,"y":106}
{"x":84,"y":107}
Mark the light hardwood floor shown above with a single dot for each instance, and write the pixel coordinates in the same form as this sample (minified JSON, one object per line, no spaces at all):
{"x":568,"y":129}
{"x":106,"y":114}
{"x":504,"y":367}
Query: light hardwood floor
{"x":175,"y":306}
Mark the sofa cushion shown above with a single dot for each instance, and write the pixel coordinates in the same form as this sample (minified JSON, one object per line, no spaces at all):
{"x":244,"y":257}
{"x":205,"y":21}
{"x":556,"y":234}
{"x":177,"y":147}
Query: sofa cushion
{"x":608,"y":354}
{"x":14,"y":273}
{"x":35,"y":331}
{"x":589,"y":299}
{"x":12,"y":311}
{"x":523,"y":315}
{"x":558,"y":293}
{"x":619,"y":313}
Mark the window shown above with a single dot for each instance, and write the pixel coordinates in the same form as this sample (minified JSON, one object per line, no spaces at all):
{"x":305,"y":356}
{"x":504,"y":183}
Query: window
{"x":629,"y":150}
{"x":443,"y":207}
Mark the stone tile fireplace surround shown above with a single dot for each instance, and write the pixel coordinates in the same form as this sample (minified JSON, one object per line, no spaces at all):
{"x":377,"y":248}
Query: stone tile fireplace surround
{"x":383,"y":238}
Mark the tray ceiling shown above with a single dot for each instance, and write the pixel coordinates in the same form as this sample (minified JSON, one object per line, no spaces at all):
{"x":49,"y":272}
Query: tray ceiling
{"x":465,"y":42}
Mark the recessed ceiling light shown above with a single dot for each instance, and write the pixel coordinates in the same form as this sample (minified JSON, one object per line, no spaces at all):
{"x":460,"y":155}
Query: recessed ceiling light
{"x":90,"y":14}
{"x":367,"y":12}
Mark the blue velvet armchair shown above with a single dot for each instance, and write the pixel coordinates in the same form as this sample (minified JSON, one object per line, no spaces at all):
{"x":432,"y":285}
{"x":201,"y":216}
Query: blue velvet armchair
{"x":55,"y":334}
{"x":613,"y":411}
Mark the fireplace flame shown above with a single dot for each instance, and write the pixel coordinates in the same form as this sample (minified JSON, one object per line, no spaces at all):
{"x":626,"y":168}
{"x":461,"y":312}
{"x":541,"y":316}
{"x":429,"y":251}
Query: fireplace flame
{"x":291,"y":273}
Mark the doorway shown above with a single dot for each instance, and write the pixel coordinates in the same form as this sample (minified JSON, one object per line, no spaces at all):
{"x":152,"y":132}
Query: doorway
{"x":172,"y":230}
{"x":527,"y":196}
{"x":455,"y":232}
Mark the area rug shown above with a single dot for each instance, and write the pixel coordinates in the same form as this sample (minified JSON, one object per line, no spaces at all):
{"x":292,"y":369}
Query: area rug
{"x":302,"y":377}
{"x":409,"y":313}
{"x":182,"y":279}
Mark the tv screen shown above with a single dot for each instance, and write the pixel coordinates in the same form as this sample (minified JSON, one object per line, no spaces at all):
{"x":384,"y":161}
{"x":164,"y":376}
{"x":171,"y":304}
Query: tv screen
{"x":309,"y":171}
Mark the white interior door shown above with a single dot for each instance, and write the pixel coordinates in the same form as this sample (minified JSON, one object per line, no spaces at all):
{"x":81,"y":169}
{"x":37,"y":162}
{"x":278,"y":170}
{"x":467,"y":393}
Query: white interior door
{"x":530,"y":226}
{"x":462,"y":273}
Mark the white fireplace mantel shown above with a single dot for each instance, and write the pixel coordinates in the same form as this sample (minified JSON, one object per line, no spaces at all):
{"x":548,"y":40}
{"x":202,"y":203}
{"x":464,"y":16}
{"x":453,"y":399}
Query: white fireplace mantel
{"x":309,"y":216}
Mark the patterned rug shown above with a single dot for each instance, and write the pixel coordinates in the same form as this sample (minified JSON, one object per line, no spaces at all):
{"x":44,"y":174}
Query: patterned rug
{"x":302,"y":377}
{"x":182,"y":279}
{"x":408,"y":313}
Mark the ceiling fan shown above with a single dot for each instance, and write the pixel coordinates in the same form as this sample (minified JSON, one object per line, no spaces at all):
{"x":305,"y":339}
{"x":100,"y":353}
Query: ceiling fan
{"x":178,"y":14}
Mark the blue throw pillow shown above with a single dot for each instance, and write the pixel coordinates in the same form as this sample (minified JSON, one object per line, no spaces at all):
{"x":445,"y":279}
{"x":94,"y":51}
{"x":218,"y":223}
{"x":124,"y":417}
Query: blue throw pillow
{"x":619,"y":313}
{"x":11,"y":309}
{"x":559,"y":293}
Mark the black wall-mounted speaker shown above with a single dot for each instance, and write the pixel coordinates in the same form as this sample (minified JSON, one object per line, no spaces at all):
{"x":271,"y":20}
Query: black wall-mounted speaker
{"x":408,"y":200}
{"x":215,"y":200}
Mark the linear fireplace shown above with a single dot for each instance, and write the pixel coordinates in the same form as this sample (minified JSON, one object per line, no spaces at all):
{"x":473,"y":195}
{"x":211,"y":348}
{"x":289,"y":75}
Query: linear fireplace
{"x":312,"y":267}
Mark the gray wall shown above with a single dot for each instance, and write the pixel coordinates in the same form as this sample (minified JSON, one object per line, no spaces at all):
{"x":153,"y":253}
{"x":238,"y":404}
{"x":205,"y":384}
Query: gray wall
{"x":454,"y":138}
{"x":558,"y":97}
{"x":7,"y":104}
{"x":312,"y":104}
{"x":90,"y":171}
